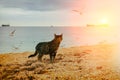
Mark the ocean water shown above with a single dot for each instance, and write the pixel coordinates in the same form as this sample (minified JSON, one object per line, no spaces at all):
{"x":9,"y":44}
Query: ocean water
{"x":20,"y":39}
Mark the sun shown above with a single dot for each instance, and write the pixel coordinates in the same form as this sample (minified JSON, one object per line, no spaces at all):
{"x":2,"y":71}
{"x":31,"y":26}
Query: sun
{"x":104,"y":21}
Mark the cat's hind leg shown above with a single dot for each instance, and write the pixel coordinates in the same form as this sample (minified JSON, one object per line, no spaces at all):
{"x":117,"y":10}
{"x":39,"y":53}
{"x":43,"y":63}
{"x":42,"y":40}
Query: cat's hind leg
{"x":40,"y":57}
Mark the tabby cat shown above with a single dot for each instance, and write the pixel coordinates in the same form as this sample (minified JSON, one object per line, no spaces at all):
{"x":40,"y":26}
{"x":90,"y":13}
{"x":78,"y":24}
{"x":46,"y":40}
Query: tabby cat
{"x":48,"y":48}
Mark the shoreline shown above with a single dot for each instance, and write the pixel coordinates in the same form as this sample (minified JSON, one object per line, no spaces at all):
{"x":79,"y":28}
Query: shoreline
{"x":62,"y":47}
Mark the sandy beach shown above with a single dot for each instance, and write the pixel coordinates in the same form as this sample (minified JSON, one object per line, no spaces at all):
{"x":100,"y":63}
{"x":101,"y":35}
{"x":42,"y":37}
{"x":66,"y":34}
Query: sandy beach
{"x":94,"y":62}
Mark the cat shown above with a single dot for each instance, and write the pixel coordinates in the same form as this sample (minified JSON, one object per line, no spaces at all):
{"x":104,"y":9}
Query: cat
{"x":48,"y":48}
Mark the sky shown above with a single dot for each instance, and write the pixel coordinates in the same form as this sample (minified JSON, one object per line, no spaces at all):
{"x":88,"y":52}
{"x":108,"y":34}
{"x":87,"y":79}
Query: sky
{"x":59,"y":12}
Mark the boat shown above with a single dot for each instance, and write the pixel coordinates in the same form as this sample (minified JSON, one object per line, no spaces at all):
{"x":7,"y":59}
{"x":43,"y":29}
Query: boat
{"x":90,"y":25}
{"x":5,"y":25}
{"x":99,"y":25}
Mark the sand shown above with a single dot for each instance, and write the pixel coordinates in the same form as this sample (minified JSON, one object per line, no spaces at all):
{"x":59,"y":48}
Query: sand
{"x":94,"y":62}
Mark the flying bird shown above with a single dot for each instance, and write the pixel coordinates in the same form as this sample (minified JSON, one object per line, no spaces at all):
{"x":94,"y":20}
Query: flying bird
{"x":78,"y":12}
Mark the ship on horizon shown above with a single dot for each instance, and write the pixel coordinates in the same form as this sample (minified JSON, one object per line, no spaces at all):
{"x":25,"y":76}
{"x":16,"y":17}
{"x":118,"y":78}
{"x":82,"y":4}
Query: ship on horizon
{"x":94,"y":25}
{"x":5,"y":25}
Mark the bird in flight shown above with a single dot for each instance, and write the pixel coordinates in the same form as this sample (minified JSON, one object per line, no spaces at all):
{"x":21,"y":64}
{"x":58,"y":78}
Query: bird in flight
{"x":78,"y":12}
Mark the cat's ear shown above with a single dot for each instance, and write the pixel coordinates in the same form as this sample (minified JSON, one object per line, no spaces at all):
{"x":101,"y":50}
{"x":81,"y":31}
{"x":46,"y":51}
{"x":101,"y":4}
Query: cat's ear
{"x":54,"y":35}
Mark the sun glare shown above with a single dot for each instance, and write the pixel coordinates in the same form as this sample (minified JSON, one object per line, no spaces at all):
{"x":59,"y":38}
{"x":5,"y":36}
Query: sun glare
{"x":104,"y":21}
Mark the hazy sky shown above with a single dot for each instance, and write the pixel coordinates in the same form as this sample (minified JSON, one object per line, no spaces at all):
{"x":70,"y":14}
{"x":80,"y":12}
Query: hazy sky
{"x":59,"y":12}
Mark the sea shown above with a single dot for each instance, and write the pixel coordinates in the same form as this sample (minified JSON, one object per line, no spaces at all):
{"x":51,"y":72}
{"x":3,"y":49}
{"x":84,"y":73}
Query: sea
{"x":21,"y":39}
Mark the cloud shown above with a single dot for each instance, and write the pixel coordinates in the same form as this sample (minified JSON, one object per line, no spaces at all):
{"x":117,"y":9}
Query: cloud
{"x":41,"y":5}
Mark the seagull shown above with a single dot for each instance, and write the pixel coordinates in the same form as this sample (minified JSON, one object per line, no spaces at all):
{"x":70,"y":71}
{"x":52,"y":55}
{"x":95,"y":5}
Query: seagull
{"x":80,"y":11}
{"x":12,"y":33}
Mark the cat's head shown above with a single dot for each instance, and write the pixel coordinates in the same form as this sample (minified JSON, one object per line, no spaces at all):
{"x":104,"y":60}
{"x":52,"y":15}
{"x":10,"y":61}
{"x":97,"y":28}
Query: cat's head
{"x":58,"y":37}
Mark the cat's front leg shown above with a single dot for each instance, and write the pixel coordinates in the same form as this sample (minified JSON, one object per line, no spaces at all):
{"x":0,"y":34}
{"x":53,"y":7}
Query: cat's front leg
{"x":54,"y":54}
{"x":52,"y":57}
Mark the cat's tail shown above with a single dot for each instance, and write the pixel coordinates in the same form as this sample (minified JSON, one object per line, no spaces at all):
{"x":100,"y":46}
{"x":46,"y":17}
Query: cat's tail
{"x":33,"y":54}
